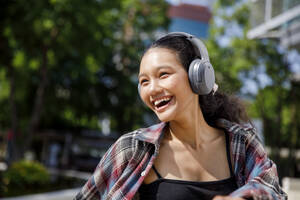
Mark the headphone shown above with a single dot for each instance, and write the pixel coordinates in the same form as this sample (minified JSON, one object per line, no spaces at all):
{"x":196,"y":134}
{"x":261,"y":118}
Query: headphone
{"x":201,"y":73}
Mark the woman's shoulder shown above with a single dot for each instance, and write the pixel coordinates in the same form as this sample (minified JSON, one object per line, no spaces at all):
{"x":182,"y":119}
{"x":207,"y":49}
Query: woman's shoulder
{"x":237,"y":129}
{"x":243,"y":135}
{"x":126,"y":140}
{"x":144,"y":132}
{"x":140,"y":136}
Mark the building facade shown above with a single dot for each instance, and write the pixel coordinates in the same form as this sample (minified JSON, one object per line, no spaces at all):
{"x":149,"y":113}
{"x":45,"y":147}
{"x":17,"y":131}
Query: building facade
{"x":279,"y":19}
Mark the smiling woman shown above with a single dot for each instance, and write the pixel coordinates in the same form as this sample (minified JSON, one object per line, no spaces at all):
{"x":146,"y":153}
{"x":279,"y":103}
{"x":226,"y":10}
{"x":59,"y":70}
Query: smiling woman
{"x":204,"y":147}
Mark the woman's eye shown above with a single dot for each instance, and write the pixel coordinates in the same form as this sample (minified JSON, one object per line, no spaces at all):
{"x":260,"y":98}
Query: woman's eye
{"x":163,"y":74}
{"x":143,"y":81}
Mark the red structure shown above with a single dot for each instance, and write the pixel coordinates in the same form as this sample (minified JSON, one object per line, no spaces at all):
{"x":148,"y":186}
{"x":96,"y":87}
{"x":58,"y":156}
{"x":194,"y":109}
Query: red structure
{"x":189,"y":11}
{"x":190,"y":18}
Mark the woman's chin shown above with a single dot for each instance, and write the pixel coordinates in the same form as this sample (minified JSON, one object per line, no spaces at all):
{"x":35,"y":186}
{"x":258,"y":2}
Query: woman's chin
{"x":165,"y":117}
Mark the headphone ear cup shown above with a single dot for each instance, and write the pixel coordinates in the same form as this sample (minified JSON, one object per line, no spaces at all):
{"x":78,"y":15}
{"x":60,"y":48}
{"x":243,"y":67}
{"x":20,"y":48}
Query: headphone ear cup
{"x":201,"y":76}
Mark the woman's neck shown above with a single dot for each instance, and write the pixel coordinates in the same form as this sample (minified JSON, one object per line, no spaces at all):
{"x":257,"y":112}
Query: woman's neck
{"x":191,"y":129}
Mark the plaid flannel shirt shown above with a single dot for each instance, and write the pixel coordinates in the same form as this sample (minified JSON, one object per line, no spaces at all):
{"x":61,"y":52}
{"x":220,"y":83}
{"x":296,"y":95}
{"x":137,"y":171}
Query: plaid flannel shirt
{"x":123,"y":168}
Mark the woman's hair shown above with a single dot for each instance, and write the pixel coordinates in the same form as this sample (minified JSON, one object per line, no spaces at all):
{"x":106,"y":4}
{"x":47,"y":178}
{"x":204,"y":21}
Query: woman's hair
{"x":213,"y":106}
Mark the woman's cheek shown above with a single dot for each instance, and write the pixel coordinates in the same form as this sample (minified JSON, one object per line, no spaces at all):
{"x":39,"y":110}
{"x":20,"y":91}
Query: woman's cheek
{"x":146,"y":99}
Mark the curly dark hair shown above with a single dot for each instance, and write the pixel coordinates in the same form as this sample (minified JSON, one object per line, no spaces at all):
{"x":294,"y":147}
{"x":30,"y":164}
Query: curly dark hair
{"x":213,"y":106}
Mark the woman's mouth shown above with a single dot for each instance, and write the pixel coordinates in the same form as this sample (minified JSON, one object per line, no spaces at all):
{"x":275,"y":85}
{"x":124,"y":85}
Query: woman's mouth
{"x":162,"y":103}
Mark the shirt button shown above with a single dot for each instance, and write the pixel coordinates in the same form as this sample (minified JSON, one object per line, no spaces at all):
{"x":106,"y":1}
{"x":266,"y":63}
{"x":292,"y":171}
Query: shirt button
{"x":143,"y":173}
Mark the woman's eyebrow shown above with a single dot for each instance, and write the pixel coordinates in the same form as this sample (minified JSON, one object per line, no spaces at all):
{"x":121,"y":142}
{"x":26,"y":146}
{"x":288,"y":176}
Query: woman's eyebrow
{"x":157,"y":69}
{"x":140,"y":75}
{"x":162,"y":67}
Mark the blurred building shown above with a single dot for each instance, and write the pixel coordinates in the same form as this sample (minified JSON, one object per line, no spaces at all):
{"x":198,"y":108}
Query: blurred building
{"x":276,"y":19}
{"x":78,"y":150}
{"x":190,"y":16}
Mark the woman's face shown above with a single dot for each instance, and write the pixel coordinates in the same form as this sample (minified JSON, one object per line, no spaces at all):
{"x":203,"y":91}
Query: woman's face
{"x":164,"y":84}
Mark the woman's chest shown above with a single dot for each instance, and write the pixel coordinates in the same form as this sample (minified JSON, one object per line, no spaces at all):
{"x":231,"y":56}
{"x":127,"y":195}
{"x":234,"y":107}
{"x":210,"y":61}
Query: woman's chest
{"x":182,"y":163}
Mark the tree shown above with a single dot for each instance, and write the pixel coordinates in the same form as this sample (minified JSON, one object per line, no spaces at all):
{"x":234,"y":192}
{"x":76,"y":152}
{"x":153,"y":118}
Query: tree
{"x":70,"y":63}
{"x":262,"y":62}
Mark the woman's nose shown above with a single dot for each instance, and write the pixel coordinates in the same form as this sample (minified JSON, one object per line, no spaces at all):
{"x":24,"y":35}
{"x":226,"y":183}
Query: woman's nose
{"x":154,"y":87}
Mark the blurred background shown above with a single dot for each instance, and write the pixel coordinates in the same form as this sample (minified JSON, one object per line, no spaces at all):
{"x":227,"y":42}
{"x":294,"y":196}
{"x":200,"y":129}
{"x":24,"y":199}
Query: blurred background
{"x":68,"y":79}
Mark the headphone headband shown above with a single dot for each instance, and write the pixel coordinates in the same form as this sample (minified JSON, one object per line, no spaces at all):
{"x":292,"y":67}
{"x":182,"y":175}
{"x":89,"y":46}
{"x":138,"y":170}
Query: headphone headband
{"x":198,"y":45}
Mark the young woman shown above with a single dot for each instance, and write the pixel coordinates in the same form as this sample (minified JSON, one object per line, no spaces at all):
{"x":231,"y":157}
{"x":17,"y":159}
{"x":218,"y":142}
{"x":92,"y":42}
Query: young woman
{"x":202,"y":148}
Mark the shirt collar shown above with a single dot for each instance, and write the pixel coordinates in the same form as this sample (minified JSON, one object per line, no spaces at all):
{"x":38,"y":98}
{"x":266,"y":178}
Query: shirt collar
{"x":233,"y":127}
{"x":225,"y":124}
{"x":152,"y":134}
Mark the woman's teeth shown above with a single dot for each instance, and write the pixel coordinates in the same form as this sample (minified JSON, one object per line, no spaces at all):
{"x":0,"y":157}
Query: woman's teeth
{"x":157,"y":102}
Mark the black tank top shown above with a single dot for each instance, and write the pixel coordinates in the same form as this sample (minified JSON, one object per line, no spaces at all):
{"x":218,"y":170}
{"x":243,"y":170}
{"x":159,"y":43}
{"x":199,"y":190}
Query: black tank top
{"x":166,"y":189}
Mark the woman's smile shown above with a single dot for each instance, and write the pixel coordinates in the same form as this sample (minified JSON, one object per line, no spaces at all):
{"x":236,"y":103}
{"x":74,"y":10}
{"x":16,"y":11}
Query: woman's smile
{"x":161,"y":104}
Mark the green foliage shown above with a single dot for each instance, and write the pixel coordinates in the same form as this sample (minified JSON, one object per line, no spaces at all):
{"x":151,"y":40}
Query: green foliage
{"x":91,"y":48}
{"x":4,"y":86}
{"x":276,"y":103}
{"x":81,"y":57}
{"x":241,"y":57}
{"x":24,"y":177}
{"x":236,"y":55}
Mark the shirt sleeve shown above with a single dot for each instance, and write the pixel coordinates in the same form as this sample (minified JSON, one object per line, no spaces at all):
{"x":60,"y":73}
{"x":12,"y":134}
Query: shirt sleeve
{"x":261,"y":173}
{"x":103,"y":181}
